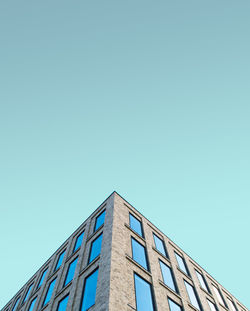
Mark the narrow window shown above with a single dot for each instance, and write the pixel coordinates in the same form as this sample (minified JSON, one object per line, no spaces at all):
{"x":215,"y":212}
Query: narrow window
{"x":167,"y":276}
{"x":159,"y":245}
{"x":78,"y":242}
{"x":62,"y":305}
{"x":202,"y":281}
{"x":219,"y":296}
{"x":143,"y":294}
{"x":173,"y":306}
{"x":49,"y":292}
{"x":99,"y":220}
{"x":89,"y":292}
{"x":181,"y":263}
{"x":231,"y":304}
{"x":211,"y":305}
{"x":60,"y":260}
{"x":16,"y":304}
{"x":42,"y":278}
{"x":192,"y":295}
{"x":32,"y":304}
{"x":95,"y":248}
{"x":27,"y":293}
{"x":135,"y":224}
{"x":139,"y":253}
{"x":70,"y":272}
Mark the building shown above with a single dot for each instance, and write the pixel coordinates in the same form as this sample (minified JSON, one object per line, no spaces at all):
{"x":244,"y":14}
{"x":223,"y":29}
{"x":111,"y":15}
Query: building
{"x":117,"y":260}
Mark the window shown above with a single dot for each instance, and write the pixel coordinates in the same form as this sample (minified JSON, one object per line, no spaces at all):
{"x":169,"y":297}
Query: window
{"x":202,"y":281}
{"x":192,"y":295}
{"x":33,"y":302}
{"x":181,"y":263}
{"x":62,"y":305}
{"x":27,"y":293}
{"x":60,"y":260}
{"x":16,"y":304}
{"x":89,"y":292}
{"x":231,"y":304}
{"x":70,"y":272}
{"x":78,"y":242}
{"x":49,"y":292}
{"x":173,"y":306}
{"x":139,"y":253}
{"x":135,"y":224}
{"x":211,"y":305}
{"x":99,"y":220}
{"x":143,"y":294}
{"x":219,"y":296}
{"x":95,"y":249}
{"x":42,"y":278}
{"x":159,"y":245}
{"x":167,"y":276}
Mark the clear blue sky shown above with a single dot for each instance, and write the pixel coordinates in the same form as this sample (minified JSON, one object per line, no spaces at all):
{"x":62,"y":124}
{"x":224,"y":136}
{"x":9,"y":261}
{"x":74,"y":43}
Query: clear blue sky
{"x":148,"y":98}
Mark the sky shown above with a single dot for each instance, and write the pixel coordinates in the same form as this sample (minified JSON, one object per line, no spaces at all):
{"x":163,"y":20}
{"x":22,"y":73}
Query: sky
{"x":148,"y":98}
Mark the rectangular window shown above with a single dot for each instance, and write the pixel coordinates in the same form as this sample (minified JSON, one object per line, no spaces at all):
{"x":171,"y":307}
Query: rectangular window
{"x":16,"y":304}
{"x":27,"y":293}
{"x":139,"y":253}
{"x":143,"y":294}
{"x":32,"y":304}
{"x":95,"y":248}
{"x":159,"y":245}
{"x":181,"y":263}
{"x":42,"y":278}
{"x":78,"y":242}
{"x":49,"y":292}
{"x":62,"y":305}
{"x":135,"y":224}
{"x":173,"y":306}
{"x":167,"y":276}
{"x":192,"y":295}
{"x":99,"y":220}
{"x":70,"y":272}
{"x":202,"y":281}
{"x":231,"y":304}
{"x":219,"y":296}
{"x":211,"y":305}
{"x":89,"y":292}
{"x":60,"y":260}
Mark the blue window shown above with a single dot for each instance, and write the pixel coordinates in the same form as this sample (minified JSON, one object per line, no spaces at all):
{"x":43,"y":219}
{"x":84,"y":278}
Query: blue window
{"x":89,"y":292}
{"x":42,"y":278}
{"x":139,"y":253}
{"x":62,"y":305}
{"x":173,"y":305}
{"x":143,"y":295}
{"x":219,"y":295}
{"x":159,"y":245}
{"x":78,"y":242}
{"x":49,"y":292}
{"x":60,"y":260}
{"x":192,"y":295}
{"x":181,"y":263}
{"x":135,"y":224}
{"x":211,"y":305}
{"x":71,"y":272}
{"x":33,"y":302}
{"x":202,"y":281}
{"x":27,"y":293}
{"x":167,"y":276}
{"x":99,"y":220}
{"x":16,"y":304}
{"x":95,"y":249}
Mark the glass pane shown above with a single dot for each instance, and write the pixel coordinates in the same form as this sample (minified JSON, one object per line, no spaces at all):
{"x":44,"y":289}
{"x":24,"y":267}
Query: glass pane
{"x":71,"y":272}
{"x":62,"y":306}
{"x":192,"y":295}
{"x":49,"y":292}
{"x":78,"y":241}
{"x":159,"y":245}
{"x":135,"y":224}
{"x":32,"y":304}
{"x":100,"y":220}
{"x":89,"y":291}
{"x":201,"y":280}
{"x":139,"y":254}
{"x":95,"y":248}
{"x":174,"y":306}
{"x":232,"y":307}
{"x":60,"y":259}
{"x":144,"y":301}
{"x":16,"y":304}
{"x":181,"y":263}
{"x":42,"y":278}
{"x":28,"y":292}
{"x":218,"y":294}
{"x":167,"y":276}
{"x":211,"y":305}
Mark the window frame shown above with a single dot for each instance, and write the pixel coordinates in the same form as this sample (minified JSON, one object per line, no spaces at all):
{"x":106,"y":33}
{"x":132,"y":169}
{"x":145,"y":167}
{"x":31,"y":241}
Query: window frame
{"x":76,"y":239}
{"x":47,"y":290}
{"x":58,"y":257}
{"x":142,"y":231}
{"x":168,"y":298}
{"x":196,"y":295}
{"x":35,"y":298}
{"x":96,"y":218}
{"x":91,"y":245}
{"x":42,"y":276}
{"x":66,"y":275}
{"x":58,"y":304}
{"x":145,"y":252}
{"x":17,"y":302}
{"x":164,"y":246}
{"x":187,"y":272}
{"x":207,"y":289}
{"x":84,"y":286}
{"x":27,"y":293}
{"x":173,"y":277}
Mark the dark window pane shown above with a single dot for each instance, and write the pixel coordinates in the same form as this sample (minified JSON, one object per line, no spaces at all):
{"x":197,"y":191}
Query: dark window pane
{"x":49,"y":292}
{"x":95,"y":249}
{"x":60,"y":259}
{"x":100,"y":220}
{"x":16,"y":304}
{"x":201,"y":280}
{"x":192,"y":295}
{"x":181,"y":263}
{"x":167,"y":276}
{"x":143,"y":294}
{"x":33,"y":302}
{"x":78,"y":241}
{"x":42,"y":278}
{"x":159,"y":245}
{"x":135,"y":224}
{"x":27,"y":294}
{"x":71,"y":272}
{"x":89,"y":291}
{"x":62,"y":306}
{"x":139,"y":253}
{"x":174,"y":306}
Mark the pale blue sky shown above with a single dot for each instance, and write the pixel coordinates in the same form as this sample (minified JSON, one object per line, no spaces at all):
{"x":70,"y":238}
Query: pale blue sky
{"x":148,"y":98}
